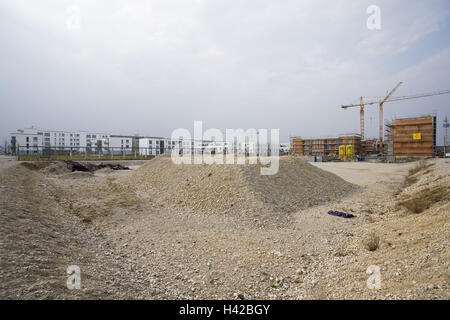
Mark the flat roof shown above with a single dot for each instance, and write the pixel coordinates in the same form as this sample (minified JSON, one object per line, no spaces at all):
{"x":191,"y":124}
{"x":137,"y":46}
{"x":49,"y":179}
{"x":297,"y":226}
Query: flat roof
{"x":329,"y":137}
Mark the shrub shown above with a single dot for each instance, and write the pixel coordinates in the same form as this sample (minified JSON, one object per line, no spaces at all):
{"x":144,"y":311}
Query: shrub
{"x":372,"y":242}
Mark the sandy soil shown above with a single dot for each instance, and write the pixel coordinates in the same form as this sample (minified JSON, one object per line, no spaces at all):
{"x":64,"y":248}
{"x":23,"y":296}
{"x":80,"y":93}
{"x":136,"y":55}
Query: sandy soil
{"x":127,"y":247}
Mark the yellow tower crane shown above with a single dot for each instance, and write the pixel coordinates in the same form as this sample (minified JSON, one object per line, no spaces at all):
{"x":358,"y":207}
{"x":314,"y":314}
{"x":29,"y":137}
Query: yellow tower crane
{"x":361,"y":112}
{"x":388,"y":98}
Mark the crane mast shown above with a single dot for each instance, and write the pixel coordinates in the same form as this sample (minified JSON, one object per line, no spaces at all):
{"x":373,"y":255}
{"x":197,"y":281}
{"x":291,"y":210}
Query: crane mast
{"x":361,"y":117}
{"x":381,"y":110}
{"x":387,"y":98}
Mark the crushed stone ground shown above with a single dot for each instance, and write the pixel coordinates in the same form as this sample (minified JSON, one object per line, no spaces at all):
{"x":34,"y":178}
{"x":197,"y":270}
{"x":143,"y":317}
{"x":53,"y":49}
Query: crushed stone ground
{"x":131,"y":241}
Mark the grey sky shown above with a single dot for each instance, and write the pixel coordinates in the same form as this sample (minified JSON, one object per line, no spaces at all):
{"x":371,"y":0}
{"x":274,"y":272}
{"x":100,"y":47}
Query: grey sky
{"x":150,"y":68}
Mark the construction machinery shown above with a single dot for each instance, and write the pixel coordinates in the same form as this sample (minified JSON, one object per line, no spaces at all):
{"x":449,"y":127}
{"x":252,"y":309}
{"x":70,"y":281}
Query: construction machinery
{"x":342,"y":154}
{"x":361,"y":112}
{"x":349,"y":151}
{"x":346,"y":152}
{"x":381,"y":102}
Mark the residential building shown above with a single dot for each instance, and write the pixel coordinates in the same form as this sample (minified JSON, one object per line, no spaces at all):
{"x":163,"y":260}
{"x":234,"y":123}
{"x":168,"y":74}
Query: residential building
{"x":32,"y":140}
{"x":159,"y":145}
{"x":120,"y":144}
{"x":325,"y":146}
{"x":97,"y":142}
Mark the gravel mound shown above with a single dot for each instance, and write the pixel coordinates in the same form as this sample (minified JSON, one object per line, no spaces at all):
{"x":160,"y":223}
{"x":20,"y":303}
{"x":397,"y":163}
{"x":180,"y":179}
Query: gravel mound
{"x":237,"y":189}
{"x":57,"y":168}
{"x":77,"y":175}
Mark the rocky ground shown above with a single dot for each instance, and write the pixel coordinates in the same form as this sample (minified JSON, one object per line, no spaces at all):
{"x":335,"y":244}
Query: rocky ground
{"x":131,"y":241}
{"x":237,"y":190}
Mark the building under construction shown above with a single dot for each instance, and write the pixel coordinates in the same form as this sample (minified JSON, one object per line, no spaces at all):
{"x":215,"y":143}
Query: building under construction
{"x":411,"y":137}
{"x":369,"y":147}
{"x":325,"y":146}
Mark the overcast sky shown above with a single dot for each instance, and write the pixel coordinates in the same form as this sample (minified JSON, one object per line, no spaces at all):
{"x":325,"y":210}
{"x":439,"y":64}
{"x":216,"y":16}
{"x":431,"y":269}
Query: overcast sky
{"x":150,"y":67}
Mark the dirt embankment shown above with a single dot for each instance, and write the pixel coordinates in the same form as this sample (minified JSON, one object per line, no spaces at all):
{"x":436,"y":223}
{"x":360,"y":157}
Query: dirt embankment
{"x":405,"y":234}
{"x":40,"y":237}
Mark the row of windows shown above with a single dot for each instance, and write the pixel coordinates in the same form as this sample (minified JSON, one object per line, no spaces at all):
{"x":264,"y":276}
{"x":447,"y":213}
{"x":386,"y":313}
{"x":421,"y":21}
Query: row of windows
{"x":168,"y":142}
{"x":94,"y":136}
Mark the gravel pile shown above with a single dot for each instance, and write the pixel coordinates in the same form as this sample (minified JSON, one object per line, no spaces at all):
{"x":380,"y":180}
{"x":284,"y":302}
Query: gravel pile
{"x":237,"y":189}
{"x":56,"y":168}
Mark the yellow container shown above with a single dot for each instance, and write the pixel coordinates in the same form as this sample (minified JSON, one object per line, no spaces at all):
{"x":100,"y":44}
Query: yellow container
{"x":349,"y":151}
{"x":342,"y":152}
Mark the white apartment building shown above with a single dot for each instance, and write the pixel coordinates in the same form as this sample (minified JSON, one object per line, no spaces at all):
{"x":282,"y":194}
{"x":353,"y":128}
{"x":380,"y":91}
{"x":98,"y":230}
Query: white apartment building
{"x":32,"y":140}
{"x":156,"y":145}
{"x":285,"y":147}
{"x":39,"y":139}
{"x":216,"y":147}
{"x":97,"y":142}
{"x":120,"y":144}
{"x":28,"y":140}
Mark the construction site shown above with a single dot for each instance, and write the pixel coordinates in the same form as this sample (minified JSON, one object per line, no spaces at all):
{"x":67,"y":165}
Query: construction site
{"x":223,"y":150}
{"x":401,"y":139}
{"x":156,"y":230}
